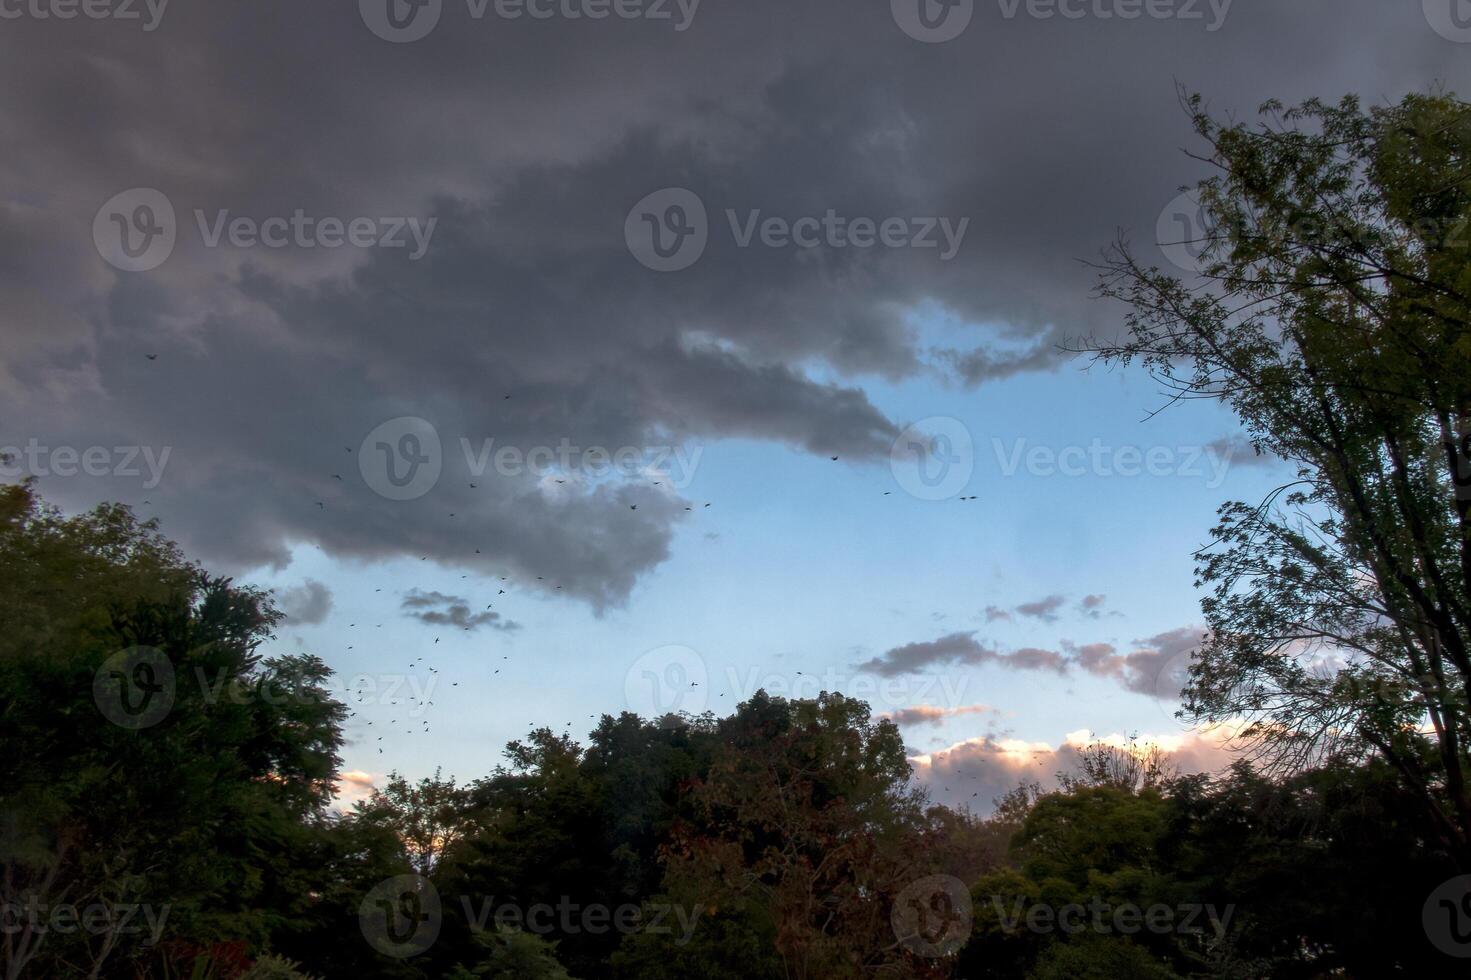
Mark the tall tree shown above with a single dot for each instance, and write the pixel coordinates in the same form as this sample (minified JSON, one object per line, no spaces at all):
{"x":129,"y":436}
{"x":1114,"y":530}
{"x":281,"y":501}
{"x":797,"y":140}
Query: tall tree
{"x":430,"y":817}
{"x":807,"y":826}
{"x":1332,"y":316}
{"x":152,"y":756}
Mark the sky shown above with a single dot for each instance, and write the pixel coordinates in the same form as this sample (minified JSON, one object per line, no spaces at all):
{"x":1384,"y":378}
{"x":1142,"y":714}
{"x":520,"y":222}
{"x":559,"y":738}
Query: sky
{"x":346,"y":295}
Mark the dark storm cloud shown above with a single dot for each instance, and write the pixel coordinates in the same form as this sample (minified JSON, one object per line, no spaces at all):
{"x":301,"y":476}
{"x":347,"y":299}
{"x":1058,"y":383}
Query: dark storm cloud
{"x":438,"y":609}
{"x":529,"y":142}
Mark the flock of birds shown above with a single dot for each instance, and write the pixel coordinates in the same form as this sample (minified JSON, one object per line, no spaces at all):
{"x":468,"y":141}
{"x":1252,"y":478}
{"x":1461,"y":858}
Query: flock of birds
{"x":420,"y":704}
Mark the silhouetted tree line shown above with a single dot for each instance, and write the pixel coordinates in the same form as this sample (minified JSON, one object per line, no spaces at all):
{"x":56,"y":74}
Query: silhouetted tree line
{"x":786,"y":840}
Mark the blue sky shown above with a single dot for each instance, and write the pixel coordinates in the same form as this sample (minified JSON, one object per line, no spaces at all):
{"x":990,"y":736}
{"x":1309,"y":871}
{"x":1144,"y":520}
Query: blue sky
{"x":804,"y":564}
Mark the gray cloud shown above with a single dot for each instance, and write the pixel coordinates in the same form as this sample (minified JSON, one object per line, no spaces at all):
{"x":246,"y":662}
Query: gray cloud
{"x":1156,"y":666}
{"x":1237,"y":450}
{"x":1091,"y":606}
{"x":958,"y":649}
{"x":438,"y":609}
{"x":927,"y":714}
{"x":1044,"y":609}
{"x":529,"y":143}
{"x":307,"y":603}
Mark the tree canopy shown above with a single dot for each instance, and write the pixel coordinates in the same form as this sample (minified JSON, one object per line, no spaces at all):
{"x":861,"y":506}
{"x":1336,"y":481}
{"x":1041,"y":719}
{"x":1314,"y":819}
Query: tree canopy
{"x":1331,"y":315}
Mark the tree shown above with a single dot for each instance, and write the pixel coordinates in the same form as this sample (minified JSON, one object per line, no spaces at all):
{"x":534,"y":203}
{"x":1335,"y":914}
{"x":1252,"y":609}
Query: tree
{"x":807,"y":831}
{"x":184,"y":800}
{"x":335,"y":862}
{"x":1332,"y":317}
{"x":1326,"y":872}
{"x":1093,"y":849}
{"x":509,"y":954}
{"x":429,"y":816}
{"x":1129,"y":767}
{"x":559,"y":823}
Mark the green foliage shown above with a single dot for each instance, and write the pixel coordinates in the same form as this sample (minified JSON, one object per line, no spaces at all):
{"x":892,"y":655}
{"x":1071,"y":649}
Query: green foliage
{"x":1092,"y":848}
{"x":1322,"y":875}
{"x":271,"y":967}
{"x":806,"y":829}
{"x":428,"y":817}
{"x":1098,"y":959}
{"x":509,"y":954}
{"x":193,"y":816}
{"x":1333,"y":319}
